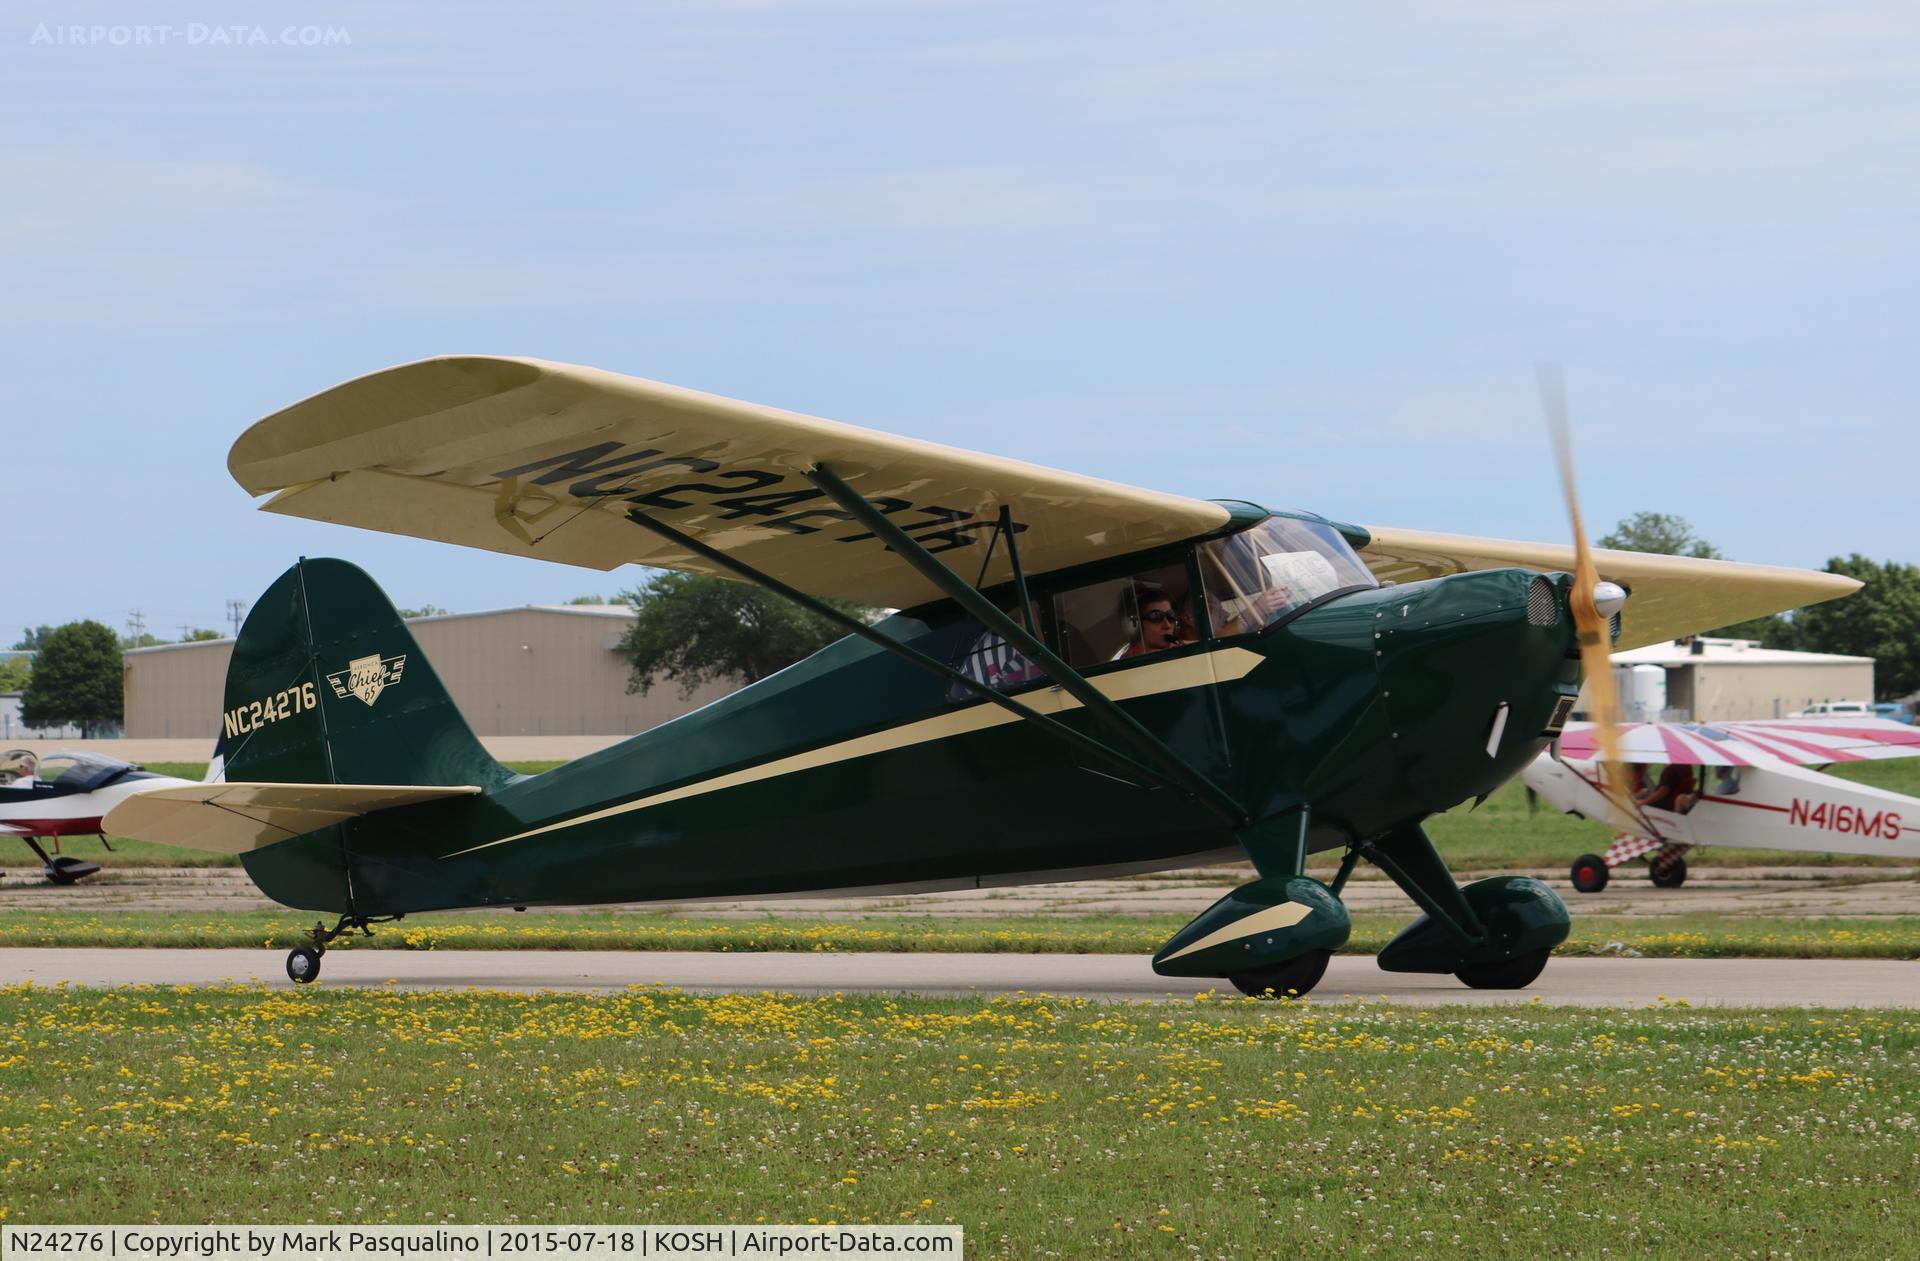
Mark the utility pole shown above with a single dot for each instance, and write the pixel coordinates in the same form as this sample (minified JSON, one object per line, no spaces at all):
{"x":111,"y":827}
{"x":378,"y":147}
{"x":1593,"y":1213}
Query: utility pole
{"x":136,"y":626}
{"x":236,"y":609}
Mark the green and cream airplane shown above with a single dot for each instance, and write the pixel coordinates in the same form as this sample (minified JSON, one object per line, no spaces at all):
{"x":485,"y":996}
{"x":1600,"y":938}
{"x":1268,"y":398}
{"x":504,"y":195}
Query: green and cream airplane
{"x":1081,"y":678}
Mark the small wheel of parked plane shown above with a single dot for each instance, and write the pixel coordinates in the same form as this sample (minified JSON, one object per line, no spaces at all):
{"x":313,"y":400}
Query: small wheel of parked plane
{"x":1590,"y":874}
{"x":1296,"y":976}
{"x":1671,"y":876}
{"x":1508,"y":974}
{"x":303,"y":965}
{"x":66,"y":869}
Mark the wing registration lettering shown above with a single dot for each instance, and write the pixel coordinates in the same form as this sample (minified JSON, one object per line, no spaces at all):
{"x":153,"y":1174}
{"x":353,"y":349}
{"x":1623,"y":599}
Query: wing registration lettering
{"x":479,"y":451}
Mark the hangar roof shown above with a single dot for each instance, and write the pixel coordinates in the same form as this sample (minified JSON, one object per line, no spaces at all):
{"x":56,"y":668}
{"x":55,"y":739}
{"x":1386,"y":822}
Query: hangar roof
{"x":621,"y":611}
{"x":1746,"y":652}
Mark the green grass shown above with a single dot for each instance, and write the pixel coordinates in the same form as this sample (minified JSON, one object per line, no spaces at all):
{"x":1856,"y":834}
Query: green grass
{"x":1046,"y":1127}
{"x":1677,"y":936}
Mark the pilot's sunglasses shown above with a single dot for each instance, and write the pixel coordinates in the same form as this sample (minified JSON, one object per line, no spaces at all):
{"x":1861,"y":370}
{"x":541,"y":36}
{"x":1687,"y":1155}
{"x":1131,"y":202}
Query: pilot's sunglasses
{"x":1159,"y":615}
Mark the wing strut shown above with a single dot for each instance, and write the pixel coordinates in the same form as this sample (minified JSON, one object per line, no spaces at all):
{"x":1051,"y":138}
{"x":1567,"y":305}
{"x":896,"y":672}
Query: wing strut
{"x":1052,"y":726}
{"x":1128,"y":731}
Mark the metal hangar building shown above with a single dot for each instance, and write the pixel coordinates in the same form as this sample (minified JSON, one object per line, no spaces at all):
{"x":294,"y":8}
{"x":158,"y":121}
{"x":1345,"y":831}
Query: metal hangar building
{"x":538,"y":670}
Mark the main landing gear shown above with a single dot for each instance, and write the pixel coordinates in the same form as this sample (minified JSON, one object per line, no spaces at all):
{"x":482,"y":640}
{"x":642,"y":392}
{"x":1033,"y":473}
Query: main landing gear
{"x":1273,"y":937}
{"x":61,"y":868}
{"x":303,"y":962}
{"x":1666,"y":863}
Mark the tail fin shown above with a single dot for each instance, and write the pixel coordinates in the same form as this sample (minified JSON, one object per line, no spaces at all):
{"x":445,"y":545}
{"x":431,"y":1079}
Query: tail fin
{"x":327,"y":686}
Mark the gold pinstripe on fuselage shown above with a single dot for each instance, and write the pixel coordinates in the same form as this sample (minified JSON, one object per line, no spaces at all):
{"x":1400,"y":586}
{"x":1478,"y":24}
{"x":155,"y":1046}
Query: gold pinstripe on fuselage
{"x":1148,"y":679}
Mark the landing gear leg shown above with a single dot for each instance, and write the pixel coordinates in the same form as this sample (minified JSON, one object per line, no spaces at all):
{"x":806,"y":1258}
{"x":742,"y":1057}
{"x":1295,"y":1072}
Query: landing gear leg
{"x":1492,"y":934}
{"x":303,"y":962}
{"x":61,"y":868}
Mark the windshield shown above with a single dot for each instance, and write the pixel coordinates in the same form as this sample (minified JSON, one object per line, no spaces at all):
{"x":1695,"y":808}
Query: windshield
{"x":1261,"y":575}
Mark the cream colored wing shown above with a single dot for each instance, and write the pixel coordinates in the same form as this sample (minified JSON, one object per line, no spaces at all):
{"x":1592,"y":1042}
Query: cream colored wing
{"x":235,"y":818}
{"x":1671,"y":596}
{"x":547,"y":460}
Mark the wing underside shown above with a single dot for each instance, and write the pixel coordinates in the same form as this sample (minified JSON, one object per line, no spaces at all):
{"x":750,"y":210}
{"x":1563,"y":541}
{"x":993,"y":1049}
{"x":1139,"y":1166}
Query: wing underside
{"x":1670,"y":596}
{"x":1749,"y":743}
{"x":549,"y":460}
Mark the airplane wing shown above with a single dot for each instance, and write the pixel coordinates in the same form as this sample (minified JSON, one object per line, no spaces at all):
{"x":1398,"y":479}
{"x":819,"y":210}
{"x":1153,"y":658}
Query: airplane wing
{"x":233,"y":818}
{"x":1672,"y":596}
{"x":1749,"y":742}
{"x":542,"y":459}
{"x":1819,"y":741}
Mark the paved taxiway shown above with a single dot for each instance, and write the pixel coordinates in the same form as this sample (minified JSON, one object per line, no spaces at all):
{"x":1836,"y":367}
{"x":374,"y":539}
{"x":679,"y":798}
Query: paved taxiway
{"x":1581,"y":982}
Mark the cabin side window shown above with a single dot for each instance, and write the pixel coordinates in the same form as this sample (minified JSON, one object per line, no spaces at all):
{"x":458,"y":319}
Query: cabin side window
{"x":1124,"y":618}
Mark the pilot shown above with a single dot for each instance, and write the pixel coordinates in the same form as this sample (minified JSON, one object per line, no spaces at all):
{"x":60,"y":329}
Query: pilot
{"x":1677,"y":790}
{"x":25,"y":769}
{"x":1159,"y":626}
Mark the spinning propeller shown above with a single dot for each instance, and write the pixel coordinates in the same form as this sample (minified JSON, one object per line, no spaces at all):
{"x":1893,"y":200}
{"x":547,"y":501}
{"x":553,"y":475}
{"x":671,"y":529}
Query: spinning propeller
{"x":1593,"y":602}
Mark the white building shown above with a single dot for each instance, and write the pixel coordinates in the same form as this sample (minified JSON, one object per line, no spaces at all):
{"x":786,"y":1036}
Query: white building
{"x":1710,"y":680}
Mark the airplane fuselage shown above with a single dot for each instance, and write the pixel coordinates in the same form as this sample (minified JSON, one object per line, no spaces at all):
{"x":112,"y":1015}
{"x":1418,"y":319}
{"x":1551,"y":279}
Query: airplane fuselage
{"x":1370,"y":709}
{"x":1772,"y":806}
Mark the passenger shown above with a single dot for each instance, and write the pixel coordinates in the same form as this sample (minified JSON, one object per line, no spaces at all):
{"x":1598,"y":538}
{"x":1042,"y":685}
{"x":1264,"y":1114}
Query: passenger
{"x":1158,"y":626}
{"x":998,"y":664}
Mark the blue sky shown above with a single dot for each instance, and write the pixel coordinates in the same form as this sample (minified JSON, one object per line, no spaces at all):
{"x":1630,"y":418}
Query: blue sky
{"x":1280,"y":252}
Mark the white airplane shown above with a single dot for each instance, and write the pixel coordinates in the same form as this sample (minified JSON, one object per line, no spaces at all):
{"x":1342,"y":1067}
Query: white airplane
{"x":67,"y":793}
{"x":1746,"y":784}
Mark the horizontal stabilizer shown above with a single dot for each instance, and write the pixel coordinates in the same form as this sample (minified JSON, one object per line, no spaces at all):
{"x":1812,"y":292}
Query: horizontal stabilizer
{"x":234,"y":818}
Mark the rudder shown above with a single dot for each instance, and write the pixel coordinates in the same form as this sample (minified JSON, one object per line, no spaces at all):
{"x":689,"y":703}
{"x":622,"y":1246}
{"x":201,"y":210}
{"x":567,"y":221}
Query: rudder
{"x":327,"y":686}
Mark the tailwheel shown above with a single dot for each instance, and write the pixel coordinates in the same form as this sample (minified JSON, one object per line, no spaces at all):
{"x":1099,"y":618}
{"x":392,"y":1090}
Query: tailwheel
{"x":303,"y":965}
{"x":1508,"y":974}
{"x":303,"y":962}
{"x":1590,"y":873}
{"x":1293,"y":978}
{"x":1670,"y":875}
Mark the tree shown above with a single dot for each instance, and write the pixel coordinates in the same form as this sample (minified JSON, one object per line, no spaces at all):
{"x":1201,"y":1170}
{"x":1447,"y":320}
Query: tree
{"x":1881,"y":620}
{"x":1660,"y":532}
{"x":696,"y":629}
{"x":31,"y":641}
{"x":588,"y":599}
{"x":200,"y":634}
{"x":76,"y":679}
{"x":14,"y":673}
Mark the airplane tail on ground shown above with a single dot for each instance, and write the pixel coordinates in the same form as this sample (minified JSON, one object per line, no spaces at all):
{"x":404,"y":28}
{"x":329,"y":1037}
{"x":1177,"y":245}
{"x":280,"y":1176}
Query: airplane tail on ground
{"x":331,"y":714}
{"x":327,"y":686}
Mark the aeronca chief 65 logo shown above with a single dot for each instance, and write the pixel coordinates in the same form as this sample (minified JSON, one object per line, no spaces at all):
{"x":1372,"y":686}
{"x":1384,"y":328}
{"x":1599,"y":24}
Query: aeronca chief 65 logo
{"x":367,"y":677}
